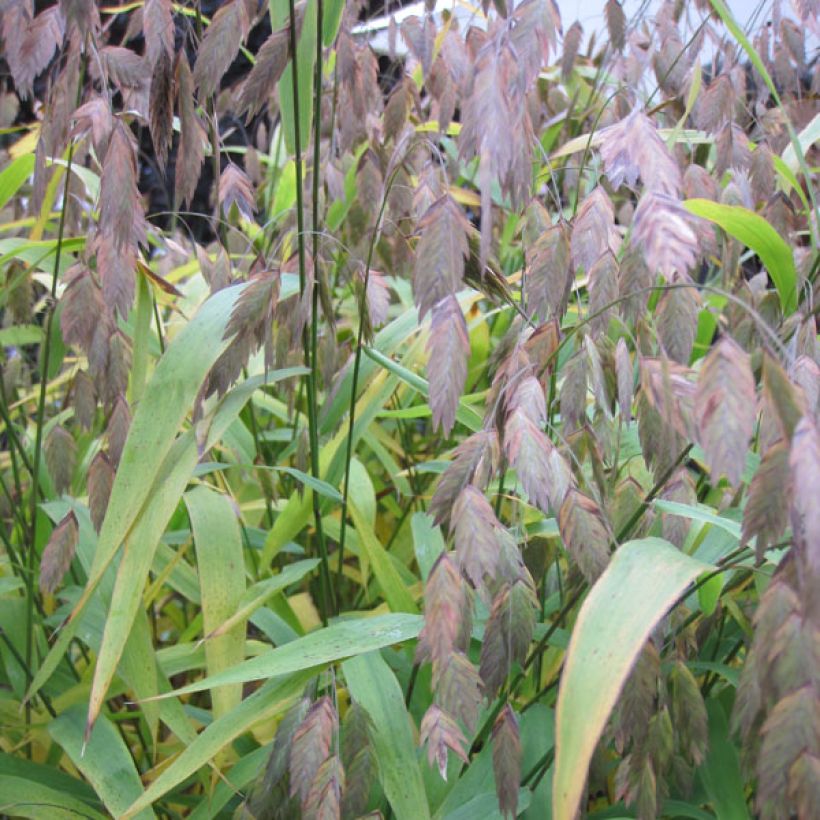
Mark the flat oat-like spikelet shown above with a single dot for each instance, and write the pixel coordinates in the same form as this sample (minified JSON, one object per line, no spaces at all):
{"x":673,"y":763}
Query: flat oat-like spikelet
{"x":449,"y":347}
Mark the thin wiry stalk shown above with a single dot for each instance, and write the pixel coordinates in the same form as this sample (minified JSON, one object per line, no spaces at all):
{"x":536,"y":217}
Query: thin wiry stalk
{"x":213,"y":136}
{"x":357,"y":359}
{"x":310,"y":363}
{"x":40,"y":423}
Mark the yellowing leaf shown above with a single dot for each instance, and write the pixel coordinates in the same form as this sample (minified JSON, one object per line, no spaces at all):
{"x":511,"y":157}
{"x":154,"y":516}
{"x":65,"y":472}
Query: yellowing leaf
{"x":642,"y":581}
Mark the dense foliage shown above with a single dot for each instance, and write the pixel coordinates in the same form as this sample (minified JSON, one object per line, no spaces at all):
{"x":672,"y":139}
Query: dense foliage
{"x":429,"y":434}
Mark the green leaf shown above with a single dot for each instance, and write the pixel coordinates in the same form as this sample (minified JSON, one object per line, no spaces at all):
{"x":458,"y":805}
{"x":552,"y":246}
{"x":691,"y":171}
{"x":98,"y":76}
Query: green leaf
{"x":720,"y":771}
{"x":754,"y":231}
{"x":395,"y":592}
{"x":20,"y":797}
{"x":20,"y":335}
{"x":270,"y":700}
{"x":332,"y":18}
{"x":342,"y":639}
{"x":14,"y":175}
{"x":465,"y":414}
{"x":709,"y":593}
{"x":221,"y":566}
{"x":428,"y":542}
{"x":643,"y":579}
{"x":806,"y":139}
{"x":256,"y":595}
{"x":104,"y":761}
{"x":698,"y":512}
{"x":240,"y":776}
{"x":305,"y":61}
{"x":45,"y":775}
{"x":150,"y":458}
{"x":373,"y":685}
{"x":321,"y":487}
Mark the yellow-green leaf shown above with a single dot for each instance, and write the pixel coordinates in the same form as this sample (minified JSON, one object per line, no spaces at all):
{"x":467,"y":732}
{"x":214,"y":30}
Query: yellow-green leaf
{"x":755,"y":232}
{"x":643,"y":579}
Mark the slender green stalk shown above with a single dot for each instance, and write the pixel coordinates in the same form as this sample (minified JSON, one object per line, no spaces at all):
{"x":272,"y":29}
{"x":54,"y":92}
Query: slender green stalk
{"x":357,"y":359}
{"x":40,"y":423}
{"x":309,"y":334}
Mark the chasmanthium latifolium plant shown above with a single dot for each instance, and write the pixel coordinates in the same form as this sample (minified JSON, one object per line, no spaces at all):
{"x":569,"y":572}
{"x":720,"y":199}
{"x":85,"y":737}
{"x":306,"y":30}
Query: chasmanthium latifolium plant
{"x":349,"y":356}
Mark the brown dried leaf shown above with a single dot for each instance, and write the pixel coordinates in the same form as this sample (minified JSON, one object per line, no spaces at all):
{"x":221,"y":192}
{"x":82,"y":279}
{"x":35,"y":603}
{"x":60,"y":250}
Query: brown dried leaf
{"x":449,"y":349}
{"x":100,"y":481}
{"x":220,"y":45}
{"x":441,"y":733}
{"x":508,"y":632}
{"x":474,"y":525}
{"x":584,"y":533}
{"x":474,"y":462}
{"x":61,"y":457}
{"x":507,"y":760}
{"x":725,"y":409}
{"x":58,"y":553}
{"x":310,"y":747}
{"x":161,"y":106}
{"x":191,"y":135}
{"x":236,"y":188}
